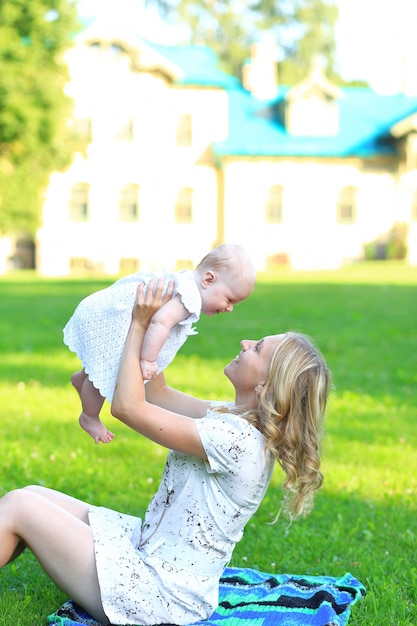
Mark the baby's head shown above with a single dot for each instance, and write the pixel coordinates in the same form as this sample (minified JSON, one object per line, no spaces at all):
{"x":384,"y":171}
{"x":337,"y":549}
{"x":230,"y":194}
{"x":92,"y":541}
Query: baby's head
{"x":225,"y":277}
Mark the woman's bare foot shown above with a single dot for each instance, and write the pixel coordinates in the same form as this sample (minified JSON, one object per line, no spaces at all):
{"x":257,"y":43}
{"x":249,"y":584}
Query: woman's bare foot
{"x":95,"y":427}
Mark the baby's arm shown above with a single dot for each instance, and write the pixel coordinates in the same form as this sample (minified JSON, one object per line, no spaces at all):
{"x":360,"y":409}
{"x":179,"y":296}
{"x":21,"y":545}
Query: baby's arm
{"x":164,"y":319}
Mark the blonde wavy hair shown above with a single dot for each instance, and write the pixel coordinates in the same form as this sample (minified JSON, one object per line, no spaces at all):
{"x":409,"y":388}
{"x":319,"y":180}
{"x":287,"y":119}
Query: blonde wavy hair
{"x":290,"y":414}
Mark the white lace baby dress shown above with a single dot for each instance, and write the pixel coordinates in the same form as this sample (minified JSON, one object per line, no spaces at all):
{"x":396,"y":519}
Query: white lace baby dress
{"x":98,"y":328}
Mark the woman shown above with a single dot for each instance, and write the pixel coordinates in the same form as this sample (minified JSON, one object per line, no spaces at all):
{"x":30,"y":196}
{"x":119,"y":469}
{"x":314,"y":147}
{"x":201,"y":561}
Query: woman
{"x":166,"y":569}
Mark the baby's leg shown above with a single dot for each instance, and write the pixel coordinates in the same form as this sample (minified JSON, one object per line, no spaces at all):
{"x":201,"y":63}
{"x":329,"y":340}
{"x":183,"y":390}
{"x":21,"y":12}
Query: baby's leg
{"x":77,"y":379}
{"x":92,"y":401}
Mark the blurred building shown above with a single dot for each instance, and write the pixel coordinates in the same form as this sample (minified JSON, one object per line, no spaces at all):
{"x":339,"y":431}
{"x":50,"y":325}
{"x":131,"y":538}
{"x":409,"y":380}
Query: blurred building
{"x":181,"y":156}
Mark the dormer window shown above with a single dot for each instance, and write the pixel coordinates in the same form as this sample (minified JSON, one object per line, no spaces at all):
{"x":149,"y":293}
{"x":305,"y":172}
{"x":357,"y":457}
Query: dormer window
{"x":412,"y":149}
{"x":105,"y":52}
{"x":312,"y":106}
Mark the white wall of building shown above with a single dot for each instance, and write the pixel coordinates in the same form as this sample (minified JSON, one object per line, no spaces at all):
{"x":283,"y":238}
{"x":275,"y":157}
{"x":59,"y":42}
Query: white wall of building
{"x":309,"y":236}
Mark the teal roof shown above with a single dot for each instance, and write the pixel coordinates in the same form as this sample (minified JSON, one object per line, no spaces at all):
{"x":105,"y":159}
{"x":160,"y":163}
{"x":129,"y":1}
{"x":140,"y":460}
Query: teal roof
{"x":255,"y":128}
{"x":199,"y":64}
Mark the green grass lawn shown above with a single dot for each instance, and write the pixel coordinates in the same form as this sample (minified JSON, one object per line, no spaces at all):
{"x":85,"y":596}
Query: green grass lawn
{"x":364,"y":522}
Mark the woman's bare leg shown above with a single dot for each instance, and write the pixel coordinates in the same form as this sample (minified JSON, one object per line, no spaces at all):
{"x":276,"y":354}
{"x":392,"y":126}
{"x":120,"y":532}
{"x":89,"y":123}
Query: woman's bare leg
{"x":72,"y":505}
{"x":91,"y":401}
{"x":55,"y":528}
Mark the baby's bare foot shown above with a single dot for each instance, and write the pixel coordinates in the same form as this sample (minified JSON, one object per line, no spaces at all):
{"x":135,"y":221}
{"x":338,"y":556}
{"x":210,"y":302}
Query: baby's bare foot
{"x":95,"y":427}
{"x":149,"y":369}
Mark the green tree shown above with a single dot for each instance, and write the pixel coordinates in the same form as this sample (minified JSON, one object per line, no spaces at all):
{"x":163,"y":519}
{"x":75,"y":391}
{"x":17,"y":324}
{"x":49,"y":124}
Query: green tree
{"x":33,"y":106}
{"x":219,"y":26}
{"x":314,"y":37}
{"x":302,"y":30}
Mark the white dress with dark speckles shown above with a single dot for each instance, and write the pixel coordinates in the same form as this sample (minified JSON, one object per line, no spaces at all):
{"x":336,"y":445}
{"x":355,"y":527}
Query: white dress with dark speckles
{"x":98,"y":329}
{"x":166,"y":568}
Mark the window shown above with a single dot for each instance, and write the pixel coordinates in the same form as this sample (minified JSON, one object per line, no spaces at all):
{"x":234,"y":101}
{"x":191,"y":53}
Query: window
{"x":79,"y":205}
{"x":346,"y":206}
{"x":129,"y":265}
{"x":81,"y":264}
{"x":125,"y":130}
{"x":184,"y":264}
{"x":273,"y":207}
{"x":106,"y":53}
{"x":184,"y":206}
{"x":184,"y":131}
{"x":414,"y":207}
{"x":82,"y":128}
{"x":129,"y":204}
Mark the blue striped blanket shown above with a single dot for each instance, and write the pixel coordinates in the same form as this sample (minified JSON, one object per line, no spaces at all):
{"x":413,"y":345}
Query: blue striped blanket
{"x":248,"y":597}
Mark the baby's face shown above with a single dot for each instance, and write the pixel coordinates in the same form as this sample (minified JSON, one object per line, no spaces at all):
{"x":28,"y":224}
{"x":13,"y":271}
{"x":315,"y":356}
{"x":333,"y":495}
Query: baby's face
{"x":220,"y":295}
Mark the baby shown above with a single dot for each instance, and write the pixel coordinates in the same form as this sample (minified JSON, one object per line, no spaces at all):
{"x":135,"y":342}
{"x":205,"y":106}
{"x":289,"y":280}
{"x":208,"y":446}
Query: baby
{"x":98,"y":328}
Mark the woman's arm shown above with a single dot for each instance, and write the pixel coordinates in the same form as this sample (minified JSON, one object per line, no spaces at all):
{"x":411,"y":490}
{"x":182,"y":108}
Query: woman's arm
{"x":171,"y":429}
{"x":158,"y":392}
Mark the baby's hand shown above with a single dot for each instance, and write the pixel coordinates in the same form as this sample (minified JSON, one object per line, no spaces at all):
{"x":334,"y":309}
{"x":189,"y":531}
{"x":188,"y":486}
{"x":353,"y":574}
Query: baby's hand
{"x":149,"y":369}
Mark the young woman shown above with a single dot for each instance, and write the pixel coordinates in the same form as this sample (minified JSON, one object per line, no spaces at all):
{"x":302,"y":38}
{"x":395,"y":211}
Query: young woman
{"x":166,"y":567}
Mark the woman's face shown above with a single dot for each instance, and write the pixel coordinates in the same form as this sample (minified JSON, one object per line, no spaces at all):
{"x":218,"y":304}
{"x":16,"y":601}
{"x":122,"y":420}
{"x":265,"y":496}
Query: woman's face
{"x":251,"y":365}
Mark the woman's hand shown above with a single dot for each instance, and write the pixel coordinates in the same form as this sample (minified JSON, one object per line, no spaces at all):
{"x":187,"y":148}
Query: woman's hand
{"x":171,"y":426}
{"x":147,"y":304}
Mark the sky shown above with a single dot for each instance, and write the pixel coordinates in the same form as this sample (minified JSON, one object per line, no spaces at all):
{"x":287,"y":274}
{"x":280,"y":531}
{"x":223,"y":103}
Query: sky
{"x":373,"y":38}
